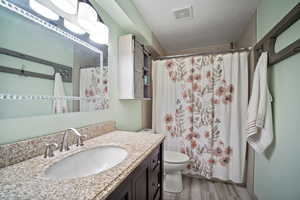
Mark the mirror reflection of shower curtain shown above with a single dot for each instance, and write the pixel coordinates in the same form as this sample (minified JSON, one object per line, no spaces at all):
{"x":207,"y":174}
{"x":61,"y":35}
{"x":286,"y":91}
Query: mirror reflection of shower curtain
{"x":94,"y":86}
{"x":200,"y":104}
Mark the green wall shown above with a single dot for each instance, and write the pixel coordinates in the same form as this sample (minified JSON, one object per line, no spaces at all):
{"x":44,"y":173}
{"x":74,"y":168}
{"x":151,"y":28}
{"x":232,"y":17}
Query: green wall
{"x":127,"y":114}
{"x":277,"y":175}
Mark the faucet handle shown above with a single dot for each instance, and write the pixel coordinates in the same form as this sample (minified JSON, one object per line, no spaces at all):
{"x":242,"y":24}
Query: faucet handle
{"x":80,"y":140}
{"x":50,"y":148}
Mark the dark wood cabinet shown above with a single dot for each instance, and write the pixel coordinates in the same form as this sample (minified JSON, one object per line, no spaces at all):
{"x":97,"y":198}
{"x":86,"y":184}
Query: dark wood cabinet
{"x":123,"y":192}
{"x":140,"y":182}
{"x":145,"y":182}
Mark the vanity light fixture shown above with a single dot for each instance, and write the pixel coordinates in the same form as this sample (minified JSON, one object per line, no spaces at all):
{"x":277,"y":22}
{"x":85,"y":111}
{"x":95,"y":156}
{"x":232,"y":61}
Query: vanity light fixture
{"x":100,"y":33}
{"x":72,"y":27}
{"x":87,"y":16}
{"x":67,"y":6}
{"x":32,"y":17}
{"x":43,"y":10}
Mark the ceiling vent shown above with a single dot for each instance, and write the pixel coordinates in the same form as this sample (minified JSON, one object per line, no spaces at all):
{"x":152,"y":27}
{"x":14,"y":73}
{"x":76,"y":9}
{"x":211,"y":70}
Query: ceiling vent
{"x":183,"y":13}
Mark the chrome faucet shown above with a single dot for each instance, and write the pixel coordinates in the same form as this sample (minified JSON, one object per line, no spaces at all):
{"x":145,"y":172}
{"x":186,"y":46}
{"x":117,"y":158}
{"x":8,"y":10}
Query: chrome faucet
{"x":49,"y":152}
{"x":65,"y":144}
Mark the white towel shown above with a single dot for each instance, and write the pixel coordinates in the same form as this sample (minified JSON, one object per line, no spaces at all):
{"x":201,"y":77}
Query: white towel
{"x":59,"y":105}
{"x":260,"y":123}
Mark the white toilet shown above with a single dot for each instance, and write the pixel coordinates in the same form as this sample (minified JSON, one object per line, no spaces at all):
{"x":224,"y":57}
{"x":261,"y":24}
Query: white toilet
{"x":174,"y":162}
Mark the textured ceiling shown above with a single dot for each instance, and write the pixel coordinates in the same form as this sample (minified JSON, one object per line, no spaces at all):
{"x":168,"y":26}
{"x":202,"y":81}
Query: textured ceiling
{"x":214,"y":21}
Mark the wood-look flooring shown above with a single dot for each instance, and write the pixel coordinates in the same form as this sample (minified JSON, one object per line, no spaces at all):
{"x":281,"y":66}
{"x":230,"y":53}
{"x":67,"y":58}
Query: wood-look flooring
{"x":199,"y":189}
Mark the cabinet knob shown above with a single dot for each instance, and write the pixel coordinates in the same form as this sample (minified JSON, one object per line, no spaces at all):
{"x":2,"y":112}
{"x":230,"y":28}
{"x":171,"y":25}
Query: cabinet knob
{"x":156,"y":185}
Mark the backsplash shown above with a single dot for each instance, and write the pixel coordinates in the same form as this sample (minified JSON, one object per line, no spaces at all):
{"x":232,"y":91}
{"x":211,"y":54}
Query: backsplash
{"x":23,"y":150}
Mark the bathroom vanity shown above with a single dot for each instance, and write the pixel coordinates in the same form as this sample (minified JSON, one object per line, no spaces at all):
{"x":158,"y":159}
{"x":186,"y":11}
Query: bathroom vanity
{"x":130,"y":165}
{"x":145,"y":182}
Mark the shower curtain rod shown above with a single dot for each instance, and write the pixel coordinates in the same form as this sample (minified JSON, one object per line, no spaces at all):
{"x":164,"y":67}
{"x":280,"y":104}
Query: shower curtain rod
{"x":204,"y":53}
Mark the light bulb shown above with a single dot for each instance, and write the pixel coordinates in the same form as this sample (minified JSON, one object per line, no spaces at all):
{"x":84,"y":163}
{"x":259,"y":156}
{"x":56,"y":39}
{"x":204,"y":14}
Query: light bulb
{"x":67,"y":6}
{"x":43,"y":10}
{"x":100,"y":33}
{"x":87,"y":16}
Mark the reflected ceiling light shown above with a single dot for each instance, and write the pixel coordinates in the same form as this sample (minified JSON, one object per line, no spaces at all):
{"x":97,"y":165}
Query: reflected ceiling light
{"x":100,"y":33}
{"x":68,"y":6}
{"x":74,"y":28}
{"x":87,"y":16}
{"x":43,"y":10}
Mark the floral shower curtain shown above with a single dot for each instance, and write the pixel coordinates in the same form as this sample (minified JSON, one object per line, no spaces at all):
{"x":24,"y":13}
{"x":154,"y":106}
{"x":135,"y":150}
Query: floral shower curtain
{"x":200,"y":104}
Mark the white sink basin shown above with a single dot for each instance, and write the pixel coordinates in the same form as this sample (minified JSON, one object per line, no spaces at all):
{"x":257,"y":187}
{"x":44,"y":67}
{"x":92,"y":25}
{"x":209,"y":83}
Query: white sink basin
{"x":87,"y":162}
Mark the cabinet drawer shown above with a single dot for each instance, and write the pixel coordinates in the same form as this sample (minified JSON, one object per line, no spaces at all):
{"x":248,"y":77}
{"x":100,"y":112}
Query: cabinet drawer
{"x":156,"y":180}
{"x":155,"y":159}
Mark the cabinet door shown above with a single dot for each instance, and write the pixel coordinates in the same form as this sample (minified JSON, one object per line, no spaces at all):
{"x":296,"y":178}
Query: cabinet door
{"x":138,"y":57}
{"x":123,"y":192}
{"x":147,"y":71}
{"x":138,"y":70}
{"x":140,"y":183}
{"x":138,"y":85}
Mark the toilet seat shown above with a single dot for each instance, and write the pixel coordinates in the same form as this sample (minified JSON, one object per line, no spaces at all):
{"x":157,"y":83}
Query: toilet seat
{"x":173,"y":157}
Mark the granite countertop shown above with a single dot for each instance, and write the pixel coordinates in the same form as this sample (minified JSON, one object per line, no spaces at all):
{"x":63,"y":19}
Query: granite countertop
{"x":27,"y":180}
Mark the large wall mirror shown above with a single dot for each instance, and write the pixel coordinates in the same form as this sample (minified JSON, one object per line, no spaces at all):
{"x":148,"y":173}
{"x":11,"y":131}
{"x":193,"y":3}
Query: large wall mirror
{"x":53,"y":58}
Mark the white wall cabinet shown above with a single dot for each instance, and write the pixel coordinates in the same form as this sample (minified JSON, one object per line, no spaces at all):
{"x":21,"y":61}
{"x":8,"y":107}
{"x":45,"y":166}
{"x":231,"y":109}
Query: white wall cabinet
{"x":134,"y":69}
